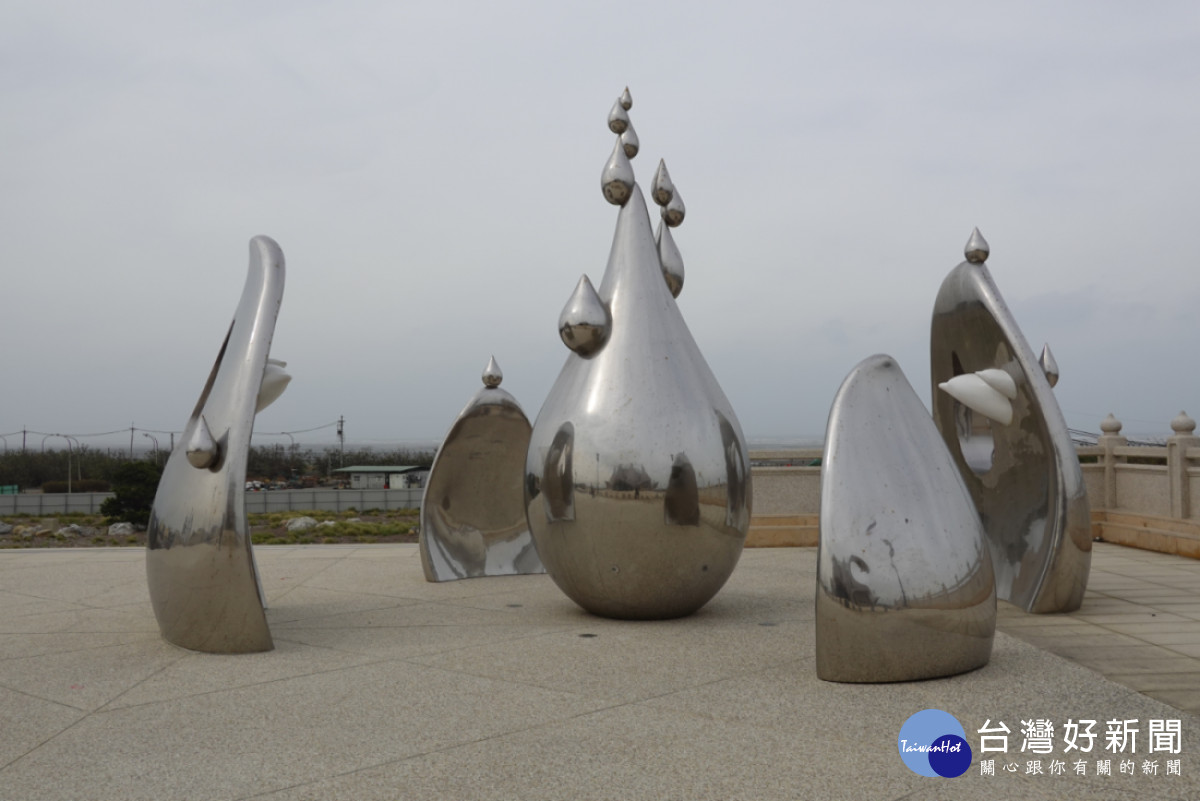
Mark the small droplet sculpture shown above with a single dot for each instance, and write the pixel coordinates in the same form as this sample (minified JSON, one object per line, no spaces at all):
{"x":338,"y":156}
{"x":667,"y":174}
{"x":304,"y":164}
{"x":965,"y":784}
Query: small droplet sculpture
{"x":905,"y":589}
{"x":1015,"y":457}
{"x":637,"y":485}
{"x":473,"y":511}
{"x":199,"y":562}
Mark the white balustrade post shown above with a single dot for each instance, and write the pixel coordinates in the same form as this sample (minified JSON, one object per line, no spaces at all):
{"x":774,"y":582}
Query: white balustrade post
{"x":1110,"y":439}
{"x":1177,"y":463}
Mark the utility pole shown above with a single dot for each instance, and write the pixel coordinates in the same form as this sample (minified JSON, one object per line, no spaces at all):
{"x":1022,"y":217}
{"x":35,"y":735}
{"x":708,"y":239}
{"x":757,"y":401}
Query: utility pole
{"x":131,"y":440}
{"x":341,"y":432}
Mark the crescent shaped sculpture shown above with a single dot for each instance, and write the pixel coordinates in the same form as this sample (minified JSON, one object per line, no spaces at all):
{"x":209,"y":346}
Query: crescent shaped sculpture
{"x":199,"y":562}
{"x":473,"y":512}
{"x":905,"y":589}
{"x":1023,"y":474}
{"x":637,"y":485}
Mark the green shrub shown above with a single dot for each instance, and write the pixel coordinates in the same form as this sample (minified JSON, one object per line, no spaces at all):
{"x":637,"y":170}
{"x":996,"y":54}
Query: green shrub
{"x":134,"y":485}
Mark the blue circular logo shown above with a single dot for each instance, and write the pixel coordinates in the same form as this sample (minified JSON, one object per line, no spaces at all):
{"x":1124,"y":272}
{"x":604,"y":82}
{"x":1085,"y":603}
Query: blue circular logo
{"x":933,"y":743}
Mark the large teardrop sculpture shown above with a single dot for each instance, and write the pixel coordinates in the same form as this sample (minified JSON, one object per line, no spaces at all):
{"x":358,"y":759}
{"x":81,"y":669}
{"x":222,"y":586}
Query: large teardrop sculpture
{"x":1024,"y":475}
{"x":905,"y":589}
{"x":472,"y":512}
{"x":637,"y":483}
{"x":199,"y":562}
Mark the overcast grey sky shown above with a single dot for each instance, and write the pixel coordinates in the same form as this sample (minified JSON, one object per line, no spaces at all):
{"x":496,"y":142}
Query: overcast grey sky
{"x":431,"y":171}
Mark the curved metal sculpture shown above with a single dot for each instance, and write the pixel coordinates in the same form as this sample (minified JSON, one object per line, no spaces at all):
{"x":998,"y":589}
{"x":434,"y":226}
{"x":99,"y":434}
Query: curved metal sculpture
{"x":473,"y":513}
{"x":1011,"y":444}
{"x":199,"y":563}
{"x":637,"y":484}
{"x":905,"y":588}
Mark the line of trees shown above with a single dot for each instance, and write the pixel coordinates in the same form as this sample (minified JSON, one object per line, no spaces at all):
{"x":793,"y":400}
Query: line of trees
{"x":31,"y":469}
{"x":277,"y":462}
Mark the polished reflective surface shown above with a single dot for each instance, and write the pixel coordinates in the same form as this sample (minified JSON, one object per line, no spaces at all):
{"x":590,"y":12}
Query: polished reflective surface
{"x":584,"y":323}
{"x":616,"y":179}
{"x":1023,"y":475}
{"x":199,"y":562}
{"x":905,"y":588}
{"x":637,"y":482}
{"x":473,"y":512}
{"x":979,"y":395}
{"x":1049,"y":365}
{"x":671,"y":258}
{"x":629,"y":141}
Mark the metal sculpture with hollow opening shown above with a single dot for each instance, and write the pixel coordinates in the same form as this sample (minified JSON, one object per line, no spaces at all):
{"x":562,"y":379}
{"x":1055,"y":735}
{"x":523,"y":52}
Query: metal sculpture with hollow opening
{"x":204,"y":585}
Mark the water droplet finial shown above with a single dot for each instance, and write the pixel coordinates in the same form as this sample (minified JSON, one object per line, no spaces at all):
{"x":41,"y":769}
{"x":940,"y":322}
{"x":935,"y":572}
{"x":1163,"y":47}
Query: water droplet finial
{"x":1049,"y":365}
{"x":671,"y":258}
{"x":492,"y":374}
{"x":626,"y":100}
{"x":616,"y":181}
{"x":202,"y":449}
{"x":674,"y":211}
{"x":661,"y":188}
{"x":977,"y":248}
{"x":629,"y":141}
{"x":618,"y":118}
{"x":585,"y":322}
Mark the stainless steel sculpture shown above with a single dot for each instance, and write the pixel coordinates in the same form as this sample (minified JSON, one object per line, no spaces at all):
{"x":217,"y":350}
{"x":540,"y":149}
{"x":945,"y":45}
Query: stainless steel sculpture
{"x":1011,"y":444}
{"x":473,"y":512}
{"x":199,"y":563}
{"x":637,"y":484}
{"x":905,"y":589}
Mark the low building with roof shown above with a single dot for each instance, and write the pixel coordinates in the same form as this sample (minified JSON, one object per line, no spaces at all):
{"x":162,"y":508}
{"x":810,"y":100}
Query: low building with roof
{"x":385,"y":476}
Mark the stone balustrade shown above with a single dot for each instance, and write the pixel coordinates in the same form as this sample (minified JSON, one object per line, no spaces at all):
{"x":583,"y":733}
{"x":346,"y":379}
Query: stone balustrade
{"x":1143,"y":496}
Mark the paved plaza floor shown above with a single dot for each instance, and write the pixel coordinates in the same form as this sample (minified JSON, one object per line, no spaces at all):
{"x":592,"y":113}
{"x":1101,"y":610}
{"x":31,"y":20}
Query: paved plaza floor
{"x":384,"y":686}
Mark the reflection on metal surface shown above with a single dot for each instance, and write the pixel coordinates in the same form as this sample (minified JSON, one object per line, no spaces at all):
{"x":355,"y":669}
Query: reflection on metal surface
{"x":492,"y":374}
{"x":977,"y":248}
{"x":199,"y":562}
{"x":662,"y":188}
{"x":671,"y":258}
{"x":558,"y":476}
{"x":666,"y":195}
{"x":616,"y":179}
{"x":681,"y":504}
{"x":1049,"y":366}
{"x":637,"y":487}
{"x":201,"y":449}
{"x":1029,"y":490}
{"x":618,"y":120}
{"x":472,"y":513}
{"x":629,"y":141}
{"x":905,"y":588}
{"x":585,"y":323}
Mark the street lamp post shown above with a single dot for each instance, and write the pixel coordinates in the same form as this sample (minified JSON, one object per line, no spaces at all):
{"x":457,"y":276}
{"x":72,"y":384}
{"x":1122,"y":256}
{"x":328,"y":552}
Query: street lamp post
{"x":78,"y":459}
{"x":155,"y":440}
{"x":69,"y":440}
